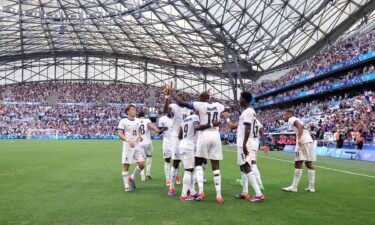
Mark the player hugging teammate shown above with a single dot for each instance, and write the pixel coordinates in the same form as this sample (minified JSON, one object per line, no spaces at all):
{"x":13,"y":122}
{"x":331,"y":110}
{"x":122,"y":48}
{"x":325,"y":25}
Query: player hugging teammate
{"x":191,"y":135}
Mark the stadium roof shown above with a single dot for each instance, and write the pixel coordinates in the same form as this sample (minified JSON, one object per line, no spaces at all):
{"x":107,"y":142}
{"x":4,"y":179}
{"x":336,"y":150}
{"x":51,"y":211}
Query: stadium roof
{"x":263,"y":34}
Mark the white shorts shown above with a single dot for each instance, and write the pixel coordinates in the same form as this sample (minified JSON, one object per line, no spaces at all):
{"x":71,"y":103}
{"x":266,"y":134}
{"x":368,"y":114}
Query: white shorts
{"x":306,"y":153}
{"x":147,"y":149}
{"x":242,"y":158}
{"x":167,"y":149}
{"x":188,"y":158}
{"x":132,"y":155}
{"x":209,"y":145}
{"x":175,"y":148}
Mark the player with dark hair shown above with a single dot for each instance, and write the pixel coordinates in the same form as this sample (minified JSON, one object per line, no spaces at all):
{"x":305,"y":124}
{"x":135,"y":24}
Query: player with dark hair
{"x":208,"y":143}
{"x":246,"y":131}
{"x":304,"y":152}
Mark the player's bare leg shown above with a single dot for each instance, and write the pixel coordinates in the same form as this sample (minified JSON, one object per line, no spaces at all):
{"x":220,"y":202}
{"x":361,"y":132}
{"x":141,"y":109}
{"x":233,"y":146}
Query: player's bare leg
{"x":311,"y":173}
{"x":297,"y":177}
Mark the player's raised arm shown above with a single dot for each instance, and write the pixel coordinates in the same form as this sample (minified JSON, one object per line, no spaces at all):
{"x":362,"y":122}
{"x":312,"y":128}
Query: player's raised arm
{"x":180,"y":101}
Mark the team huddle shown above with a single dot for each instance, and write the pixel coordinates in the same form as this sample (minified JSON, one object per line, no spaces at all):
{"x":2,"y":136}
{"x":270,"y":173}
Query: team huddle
{"x":191,"y":136}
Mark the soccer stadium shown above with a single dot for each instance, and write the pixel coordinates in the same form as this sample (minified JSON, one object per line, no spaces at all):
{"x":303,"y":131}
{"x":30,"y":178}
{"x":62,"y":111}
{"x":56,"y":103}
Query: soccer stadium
{"x":171,"y":112}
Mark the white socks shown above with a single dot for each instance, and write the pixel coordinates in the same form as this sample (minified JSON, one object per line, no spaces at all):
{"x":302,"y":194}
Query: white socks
{"x":297,"y":177}
{"x":186,"y":183}
{"x":245,"y":183}
{"x":255,"y":170}
{"x":167,"y":170}
{"x":172,"y":178}
{"x":217,"y":181}
{"x":125,"y":177}
{"x":148,"y":166}
{"x":136,"y":172}
{"x":253,"y":183}
{"x":199,"y":174}
{"x":311,"y":178}
{"x":192,"y":184}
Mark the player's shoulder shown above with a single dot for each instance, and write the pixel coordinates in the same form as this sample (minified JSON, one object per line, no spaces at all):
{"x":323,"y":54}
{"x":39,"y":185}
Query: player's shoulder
{"x":145,"y":121}
{"x":292,"y":120}
{"x":174,"y":106}
{"x":249,"y":111}
{"x":123,"y":120}
{"x":193,"y":117}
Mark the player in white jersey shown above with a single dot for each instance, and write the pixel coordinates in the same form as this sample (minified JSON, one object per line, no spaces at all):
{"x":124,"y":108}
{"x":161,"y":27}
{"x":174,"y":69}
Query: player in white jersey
{"x":129,"y":132}
{"x":246,"y":132}
{"x":209,"y":143}
{"x":258,"y":132}
{"x":146,"y":145}
{"x":188,"y":135}
{"x":304,"y":152}
{"x":165,"y":122}
{"x":179,"y":114}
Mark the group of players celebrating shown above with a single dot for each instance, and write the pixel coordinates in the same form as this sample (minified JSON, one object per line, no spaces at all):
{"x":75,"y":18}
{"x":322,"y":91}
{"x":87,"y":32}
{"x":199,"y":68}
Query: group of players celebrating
{"x":191,"y":135}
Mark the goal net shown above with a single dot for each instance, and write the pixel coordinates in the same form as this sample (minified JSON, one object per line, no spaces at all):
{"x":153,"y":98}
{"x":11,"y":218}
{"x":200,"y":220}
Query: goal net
{"x":42,"y":134}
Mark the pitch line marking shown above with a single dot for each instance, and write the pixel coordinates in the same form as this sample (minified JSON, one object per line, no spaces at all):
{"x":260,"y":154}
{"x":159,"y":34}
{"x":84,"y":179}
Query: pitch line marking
{"x":322,"y":167}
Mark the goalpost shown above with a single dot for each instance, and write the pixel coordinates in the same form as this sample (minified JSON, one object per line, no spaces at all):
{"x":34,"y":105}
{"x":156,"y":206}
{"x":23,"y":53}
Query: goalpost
{"x":42,"y":134}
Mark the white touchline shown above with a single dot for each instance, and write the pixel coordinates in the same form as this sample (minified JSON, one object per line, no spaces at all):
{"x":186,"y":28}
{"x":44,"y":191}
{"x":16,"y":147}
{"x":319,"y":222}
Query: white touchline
{"x":322,"y":167}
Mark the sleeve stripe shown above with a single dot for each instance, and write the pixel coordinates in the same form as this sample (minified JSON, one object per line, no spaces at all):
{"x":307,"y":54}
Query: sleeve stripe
{"x":191,"y":105}
{"x":246,"y":123}
{"x":120,"y":129}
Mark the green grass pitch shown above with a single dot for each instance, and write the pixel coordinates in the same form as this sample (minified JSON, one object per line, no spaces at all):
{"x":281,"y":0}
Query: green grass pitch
{"x":79,"y":182}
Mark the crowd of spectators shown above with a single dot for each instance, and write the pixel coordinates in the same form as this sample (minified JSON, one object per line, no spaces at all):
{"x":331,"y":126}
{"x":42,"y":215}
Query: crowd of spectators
{"x":341,"y":51}
{"x":67,"y":120}
{"x":92,"y":115}
{"x":319,"y":86}
{"x":348,"y":116}
{"x":82,"y":92}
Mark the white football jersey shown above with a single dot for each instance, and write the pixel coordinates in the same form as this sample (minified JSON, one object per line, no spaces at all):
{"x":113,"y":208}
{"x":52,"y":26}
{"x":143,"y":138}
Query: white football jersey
{"x":145,"y":132}
{"x":306,"y":137}
{"x":189,"y":135}
{"x":209,"y":112}
{"x":179,"y":114}
{"x":257,"y":126}
{"x":248,"y":116}
{"x":130,"y":128}
{"x":167,"y":122}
